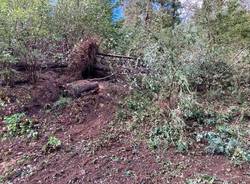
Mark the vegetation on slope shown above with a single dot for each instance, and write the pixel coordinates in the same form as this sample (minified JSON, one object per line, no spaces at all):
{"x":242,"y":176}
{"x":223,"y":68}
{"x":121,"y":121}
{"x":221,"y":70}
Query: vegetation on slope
{"x":189,"y":85}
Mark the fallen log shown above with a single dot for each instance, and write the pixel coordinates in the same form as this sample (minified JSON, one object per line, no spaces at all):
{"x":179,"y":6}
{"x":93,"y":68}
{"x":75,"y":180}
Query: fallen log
{"x":80,"y":87}
{"x":103,"y":78}
{"x":116,"y":56}
{"x":21,"y":67}
{"x":50,"y":66}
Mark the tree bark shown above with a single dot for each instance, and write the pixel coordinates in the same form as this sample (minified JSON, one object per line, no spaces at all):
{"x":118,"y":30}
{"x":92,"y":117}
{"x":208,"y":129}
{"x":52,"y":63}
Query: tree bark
{"x":77,"y":88}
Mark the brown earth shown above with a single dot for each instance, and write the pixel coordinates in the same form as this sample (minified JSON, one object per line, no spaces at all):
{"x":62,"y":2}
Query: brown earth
{"x":94,"y":149}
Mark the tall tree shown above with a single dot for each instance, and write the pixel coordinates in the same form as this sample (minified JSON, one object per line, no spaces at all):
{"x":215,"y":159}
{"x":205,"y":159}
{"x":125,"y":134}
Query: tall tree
{"x":223,"y":21}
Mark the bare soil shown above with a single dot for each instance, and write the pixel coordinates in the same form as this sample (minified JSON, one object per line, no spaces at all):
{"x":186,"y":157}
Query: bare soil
{"x":93,"y":149}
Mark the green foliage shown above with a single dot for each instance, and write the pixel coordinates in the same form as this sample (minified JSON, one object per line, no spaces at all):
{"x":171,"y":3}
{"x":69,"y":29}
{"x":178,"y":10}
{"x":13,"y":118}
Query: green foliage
{"x":233,"y":25}
{"x":206,"y":117}
{"x":13,"y":121}
{"x":52,"y":145}
{"x":203,"y":179}
{"x":137,"y":102}
{"x":222,"y":48}
{"x":166,"y":130}
{"x":138,"y":109}
{"x":170,"y":127}
{"x":34,"y":31}
{"x":2,"y":103}
{"x":73,"y":20}
{"x":240,"y":156}
{"x":227,"y":140}
{"x":210,"y":76}
{"x":24,"y":24}
{"x":18,"y":125}
{"x":6,"y":74}
{"x":54,"y":142}
{"x":167,"y":135}
{"x":224,"y":22}
{"x":61,"y":103}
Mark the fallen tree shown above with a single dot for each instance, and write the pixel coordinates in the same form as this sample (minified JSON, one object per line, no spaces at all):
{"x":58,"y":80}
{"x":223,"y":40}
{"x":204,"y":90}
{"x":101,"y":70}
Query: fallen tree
{"x":22,"y":66}
{"x":77,"y":88}
{"x":84,"y":62}
{"x":83,"y":58}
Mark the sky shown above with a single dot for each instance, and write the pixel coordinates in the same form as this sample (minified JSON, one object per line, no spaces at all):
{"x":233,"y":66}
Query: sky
{"x":188,"y":7}
{"x":118,"y":12}
{"x":187,"y":11}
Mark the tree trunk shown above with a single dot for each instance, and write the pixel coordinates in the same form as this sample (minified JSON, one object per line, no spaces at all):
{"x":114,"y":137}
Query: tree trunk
{"x":77,"y":88}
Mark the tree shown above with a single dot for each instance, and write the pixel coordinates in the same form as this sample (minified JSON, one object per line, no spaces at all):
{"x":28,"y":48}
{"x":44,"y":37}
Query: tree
{"x":24,"y":23}
{"x":35,"y":31}
{"x":224,"y":22}
{"x":78,"y":19}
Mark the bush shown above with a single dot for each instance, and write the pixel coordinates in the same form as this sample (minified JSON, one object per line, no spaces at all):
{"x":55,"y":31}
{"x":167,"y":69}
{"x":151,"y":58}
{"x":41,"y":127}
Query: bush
{"x":226,"y":140}
{"x":202,"y":179}
{"x":6,"y":73}
{"x":166,"y":136}
{"x":61,"y":103}
{"x":34,"y":32}
{"x":18,"y":125}
{"x":52,"y":145}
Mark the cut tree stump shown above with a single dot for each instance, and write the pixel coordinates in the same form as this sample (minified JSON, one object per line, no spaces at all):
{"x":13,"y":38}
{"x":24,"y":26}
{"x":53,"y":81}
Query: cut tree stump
{"x":80,"y":87}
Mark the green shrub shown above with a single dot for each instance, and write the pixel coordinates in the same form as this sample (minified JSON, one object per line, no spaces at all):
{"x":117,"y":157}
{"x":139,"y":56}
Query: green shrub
{"x":61,"y":103}
{"x":203,"y":179}
{"x":166,"y":136}
{"x":54,"y":142}
{"x":6,"y":73}
{"x":138,"y":108}
{"x":2,"y":104}
{"x":137,"y":102}
{"x":206,"y":116}
{"x":226,"y":140}
{"x":1,"y":179}
{"x":121,"y":115}
{"x":18,"y":125}
{"x":52,"y":145}
{"x":240,"y":156}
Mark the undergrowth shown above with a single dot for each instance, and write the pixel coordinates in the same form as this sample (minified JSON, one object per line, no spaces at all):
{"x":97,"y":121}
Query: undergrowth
{"x":189,"y":122}
{"x":202,"y":179}
{"x":19,"y":125}
{"x":61,"y":103}
{"x":53,"y":144}
{"x":227,"y":140}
